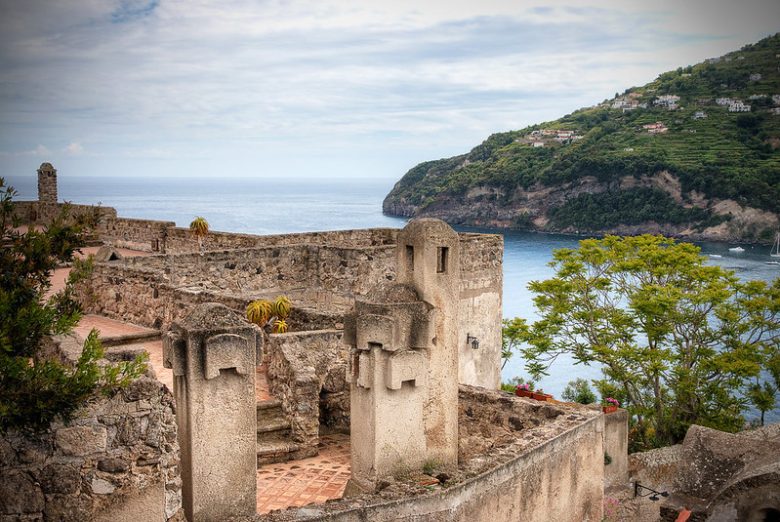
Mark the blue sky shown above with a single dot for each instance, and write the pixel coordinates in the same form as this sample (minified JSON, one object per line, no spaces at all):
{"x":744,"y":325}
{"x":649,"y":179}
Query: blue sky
{"x":323,"y":88}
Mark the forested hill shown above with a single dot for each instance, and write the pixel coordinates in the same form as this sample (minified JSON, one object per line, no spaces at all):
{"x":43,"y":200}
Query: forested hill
{"x":695,"y":153}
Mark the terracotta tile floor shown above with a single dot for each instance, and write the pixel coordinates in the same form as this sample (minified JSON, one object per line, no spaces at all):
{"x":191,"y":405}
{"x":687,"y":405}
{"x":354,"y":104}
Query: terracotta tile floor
{"x":307,"y":481}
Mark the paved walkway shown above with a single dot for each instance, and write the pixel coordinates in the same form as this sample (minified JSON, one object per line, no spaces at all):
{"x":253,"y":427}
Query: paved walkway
{"x":307,"y":481}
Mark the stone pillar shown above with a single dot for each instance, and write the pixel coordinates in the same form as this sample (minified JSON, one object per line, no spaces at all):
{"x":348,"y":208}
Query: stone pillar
{"x":390,"y":332}
{"x":47,"y":183}
{"x":212,"y":354}
{"x":428,"y":259}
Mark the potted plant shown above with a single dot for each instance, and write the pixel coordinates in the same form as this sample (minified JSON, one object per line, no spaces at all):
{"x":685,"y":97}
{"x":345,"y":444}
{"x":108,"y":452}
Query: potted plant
{"x":609,"y":405}
{"x":539,"y":395}
{"x":524,"y":390}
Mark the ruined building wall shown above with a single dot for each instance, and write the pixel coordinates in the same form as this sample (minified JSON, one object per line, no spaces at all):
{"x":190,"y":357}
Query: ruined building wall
{"x":480,"y":308}
{"x":307,"y":372}
{"x":136,"y":234}
{"x":118,"y":460}
{"x":616,"y":446}
{"x":180,"y":240}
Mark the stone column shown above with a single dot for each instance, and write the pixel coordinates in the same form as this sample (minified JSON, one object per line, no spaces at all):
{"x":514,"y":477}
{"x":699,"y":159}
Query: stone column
{"x":212,"y":354}
{"x":390,"y":332}
{"x":428,"y":259}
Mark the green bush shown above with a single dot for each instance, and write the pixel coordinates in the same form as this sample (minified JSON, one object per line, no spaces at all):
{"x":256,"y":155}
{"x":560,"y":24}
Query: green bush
{"x":35,"y":390}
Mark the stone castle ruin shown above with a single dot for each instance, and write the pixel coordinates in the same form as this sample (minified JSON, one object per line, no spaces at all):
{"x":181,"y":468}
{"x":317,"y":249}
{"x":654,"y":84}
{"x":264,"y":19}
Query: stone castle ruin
{"x":395,"y":340}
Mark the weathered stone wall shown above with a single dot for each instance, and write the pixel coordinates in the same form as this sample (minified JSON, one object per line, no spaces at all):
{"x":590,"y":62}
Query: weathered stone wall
{"x":616,"y":446}
{"x":118,"y":460}
{"x":34,"y":212}
{"x":179,"y":240}
{"x":145,"y":297}
{"x":136,"y":234}
{"x":480,"y":308}
{"x":307,"y":372}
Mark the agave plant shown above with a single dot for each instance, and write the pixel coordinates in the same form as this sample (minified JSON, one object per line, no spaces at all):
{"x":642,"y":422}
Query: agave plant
{"x":200,"y":229}
{"x":259,"y":312}
{"x":282,"y":307}
{"x":280,"y":326}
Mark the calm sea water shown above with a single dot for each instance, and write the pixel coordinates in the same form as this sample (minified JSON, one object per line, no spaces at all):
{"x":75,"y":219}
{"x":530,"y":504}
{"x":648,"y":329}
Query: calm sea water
{"x":303,"y":205}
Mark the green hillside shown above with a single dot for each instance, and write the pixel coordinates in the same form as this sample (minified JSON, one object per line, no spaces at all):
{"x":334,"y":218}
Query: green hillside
{"x":714,"y":149}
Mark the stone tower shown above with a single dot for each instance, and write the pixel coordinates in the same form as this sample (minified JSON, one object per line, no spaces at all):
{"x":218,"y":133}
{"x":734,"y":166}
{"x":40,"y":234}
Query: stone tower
{"x":47,"y":183}
{"x":428,"y":260}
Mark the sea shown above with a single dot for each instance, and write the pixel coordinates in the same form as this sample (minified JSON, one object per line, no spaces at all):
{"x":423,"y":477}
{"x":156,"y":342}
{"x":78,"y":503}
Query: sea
{"x":286,"y":204}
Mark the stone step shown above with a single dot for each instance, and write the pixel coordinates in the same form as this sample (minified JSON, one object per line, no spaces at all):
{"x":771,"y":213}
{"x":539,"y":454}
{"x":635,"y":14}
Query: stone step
{"x":270,"y":404}
{"x":272,"y":425}
{"x":275,"y":451}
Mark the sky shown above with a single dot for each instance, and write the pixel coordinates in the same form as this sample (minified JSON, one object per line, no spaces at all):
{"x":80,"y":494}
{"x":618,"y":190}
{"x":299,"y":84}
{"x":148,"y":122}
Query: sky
{"x":323,"y":88}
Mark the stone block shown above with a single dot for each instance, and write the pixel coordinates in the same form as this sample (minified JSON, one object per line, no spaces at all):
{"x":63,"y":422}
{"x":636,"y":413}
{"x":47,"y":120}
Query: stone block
{"x":19,"y":494}
{"x":80,"y":441}
{"x":101,"y":486}
{"x":113,"y":465}
{"x":60,"y":478}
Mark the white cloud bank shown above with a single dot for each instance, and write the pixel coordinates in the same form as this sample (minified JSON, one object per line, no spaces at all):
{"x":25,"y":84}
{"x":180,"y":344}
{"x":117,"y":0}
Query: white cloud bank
{"x":188,"y":87}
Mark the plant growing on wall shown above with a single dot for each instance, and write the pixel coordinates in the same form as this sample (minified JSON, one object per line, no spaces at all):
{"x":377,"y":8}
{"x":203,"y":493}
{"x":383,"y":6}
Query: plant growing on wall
{"x":200,"y":229}
{"x":34,"y":390}
{"x":678,"y":341}
{"x":274,"y":313}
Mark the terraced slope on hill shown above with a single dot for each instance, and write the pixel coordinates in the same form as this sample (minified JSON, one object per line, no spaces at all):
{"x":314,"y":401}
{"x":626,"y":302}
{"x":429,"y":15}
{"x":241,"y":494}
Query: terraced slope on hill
{"x":695,"y":153}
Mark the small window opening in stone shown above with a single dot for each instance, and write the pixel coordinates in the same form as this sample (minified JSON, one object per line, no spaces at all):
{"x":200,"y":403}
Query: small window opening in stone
{"x":410,"y":257}
{"x":371,"y":345}
{"x":441,"y":259}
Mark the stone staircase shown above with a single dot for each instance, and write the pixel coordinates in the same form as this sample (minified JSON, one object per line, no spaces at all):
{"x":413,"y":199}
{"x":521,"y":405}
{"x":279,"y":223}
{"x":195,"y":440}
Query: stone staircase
{"x":274,"y":436}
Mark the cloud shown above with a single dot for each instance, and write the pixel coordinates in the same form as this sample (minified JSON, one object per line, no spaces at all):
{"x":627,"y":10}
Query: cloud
{"x":247,"y":81}
{"x":74,"y":149}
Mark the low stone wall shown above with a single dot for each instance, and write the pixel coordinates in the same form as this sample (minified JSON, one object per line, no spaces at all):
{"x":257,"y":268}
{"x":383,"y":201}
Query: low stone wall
{"x":118,"y":460}
{"x":616,"y":447}
{"x":136,"y":234}
{"x":180,"y":240}
{"x":34,"y":212}
{"x":307,"y":371}
{"x":545,"y":462}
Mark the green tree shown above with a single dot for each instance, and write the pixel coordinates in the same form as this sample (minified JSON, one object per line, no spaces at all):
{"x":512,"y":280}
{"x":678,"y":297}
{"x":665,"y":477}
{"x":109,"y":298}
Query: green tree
{"x":579,"y":390}
{"x":511,"y":338}
{"x":678,"y":342}
{"x":34,"y":390}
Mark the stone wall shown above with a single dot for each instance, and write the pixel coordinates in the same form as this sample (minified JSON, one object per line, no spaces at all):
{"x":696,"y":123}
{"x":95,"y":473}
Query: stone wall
{"x":34,"y":212}
{"x":118,"y":460}
{"x":480,"y":308}
{"x":179,"y":240}
{"x":307,"y":372}
{"x":616,"y":447}
{"x":136,"y":234}
{"x":123,"y":291}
